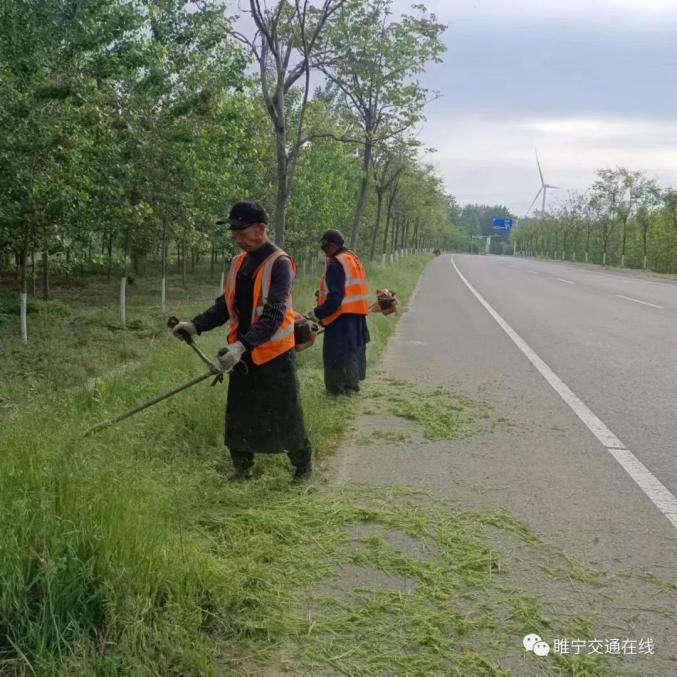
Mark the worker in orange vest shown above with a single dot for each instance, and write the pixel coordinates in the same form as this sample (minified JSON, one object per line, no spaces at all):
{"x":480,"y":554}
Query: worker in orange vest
{"x":263,"y":410}
{"x":342,"y":307}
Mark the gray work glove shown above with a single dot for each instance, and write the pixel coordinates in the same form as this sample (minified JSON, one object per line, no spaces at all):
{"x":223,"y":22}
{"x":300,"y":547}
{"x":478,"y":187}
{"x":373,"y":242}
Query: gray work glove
{"x":229,"y":356}
{"x":312,"y":317}
{"x":184,"y":328}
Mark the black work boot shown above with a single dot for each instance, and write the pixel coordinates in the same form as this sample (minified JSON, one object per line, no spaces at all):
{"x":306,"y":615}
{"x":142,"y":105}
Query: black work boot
{"x":243,"y":465}
{"x":302,"y":461}
{"x":302,"y":472}
{"x":241,"y":474}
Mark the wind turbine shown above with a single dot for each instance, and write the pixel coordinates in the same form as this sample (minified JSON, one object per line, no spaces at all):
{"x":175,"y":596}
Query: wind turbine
{"x":543,"y":189}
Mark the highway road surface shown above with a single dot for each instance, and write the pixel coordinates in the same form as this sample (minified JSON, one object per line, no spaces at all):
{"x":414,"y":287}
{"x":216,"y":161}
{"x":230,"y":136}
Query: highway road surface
{"x":582,"y":362}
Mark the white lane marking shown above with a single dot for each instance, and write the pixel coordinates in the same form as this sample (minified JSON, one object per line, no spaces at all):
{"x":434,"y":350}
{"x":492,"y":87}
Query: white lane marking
{"x":533,"y":272}
{"x":644,"y":303}
{"x":561,"y":279}
{"x":659,"y":495}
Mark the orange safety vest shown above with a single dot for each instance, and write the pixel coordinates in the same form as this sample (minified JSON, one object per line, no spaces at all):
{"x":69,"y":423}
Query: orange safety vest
{"x":356,"y":297}
{"x":283,"y":339}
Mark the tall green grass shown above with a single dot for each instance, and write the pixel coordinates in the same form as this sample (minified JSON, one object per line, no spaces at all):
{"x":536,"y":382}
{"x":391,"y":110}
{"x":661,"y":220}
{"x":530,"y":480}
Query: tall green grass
{"x":126,"y":553}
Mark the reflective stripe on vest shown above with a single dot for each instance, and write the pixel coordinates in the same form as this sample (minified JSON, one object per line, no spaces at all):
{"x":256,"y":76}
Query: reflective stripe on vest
{"x":283,"y":338}
{"x":356,"y":291}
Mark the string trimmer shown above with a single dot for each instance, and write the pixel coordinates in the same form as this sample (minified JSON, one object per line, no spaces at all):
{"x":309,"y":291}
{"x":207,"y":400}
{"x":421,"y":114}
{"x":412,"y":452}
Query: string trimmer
{"x":214,"y":371}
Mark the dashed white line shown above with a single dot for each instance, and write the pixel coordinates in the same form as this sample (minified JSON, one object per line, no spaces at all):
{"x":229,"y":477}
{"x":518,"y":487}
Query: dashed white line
{"x":533,"y":272}
{"x":561,"y":279}
{"x":659,"y":495}
{"x":644,"y":303}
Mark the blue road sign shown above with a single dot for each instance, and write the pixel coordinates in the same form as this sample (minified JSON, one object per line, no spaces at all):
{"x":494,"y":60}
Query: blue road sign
{"x":501,"y":224}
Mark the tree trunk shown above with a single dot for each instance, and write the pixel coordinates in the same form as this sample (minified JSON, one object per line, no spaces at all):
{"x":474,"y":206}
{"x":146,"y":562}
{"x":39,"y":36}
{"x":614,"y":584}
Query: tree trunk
{"x":23,"y":298}
{"x":282,"y":183}
{"x":394,"y":236}
{"x":33,"y":272}
{"x":123,"y":300}
{"x":389,"y":215}
{"x":123,"y":279}
{"x":362,"y":200}
{"x":110,"y":252}
{"x":379,"y":196}
{"x":414,"y":237}
{"x":128,"y":241}
{"x":385,"y":233}
{"x":645,"y":234}
{"x":45,"y":273}
{"x":163,"y":265}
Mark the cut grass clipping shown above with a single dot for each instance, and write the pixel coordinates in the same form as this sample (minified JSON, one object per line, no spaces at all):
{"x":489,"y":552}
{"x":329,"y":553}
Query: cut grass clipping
{"x":441,"y":413}
{"x":388,"y":581}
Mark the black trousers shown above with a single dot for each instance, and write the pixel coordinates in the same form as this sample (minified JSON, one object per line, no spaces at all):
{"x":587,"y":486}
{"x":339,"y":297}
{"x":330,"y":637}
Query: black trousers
{"x":300,"y":458}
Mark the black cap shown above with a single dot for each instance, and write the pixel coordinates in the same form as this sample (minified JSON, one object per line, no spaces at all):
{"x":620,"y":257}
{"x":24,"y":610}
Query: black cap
{"x":333,"y":237}
{"x":245,"y":214}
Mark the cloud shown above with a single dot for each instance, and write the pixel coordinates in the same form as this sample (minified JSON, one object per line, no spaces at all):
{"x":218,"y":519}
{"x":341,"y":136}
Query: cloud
{"x":587,"y":83}
{"x":561,"y":72}
{"x":643,"y":14}
{"x":493,"y":162}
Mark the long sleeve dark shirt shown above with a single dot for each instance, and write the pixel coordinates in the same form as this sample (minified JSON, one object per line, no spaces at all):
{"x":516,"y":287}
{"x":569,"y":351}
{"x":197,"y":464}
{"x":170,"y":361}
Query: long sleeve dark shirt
{"x":335,"y":277}
{"x":252,"y":335}
{"x":348,"y":331}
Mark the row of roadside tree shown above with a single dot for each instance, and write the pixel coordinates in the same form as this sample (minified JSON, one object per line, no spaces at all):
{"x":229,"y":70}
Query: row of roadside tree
{"x":129,"y":126}
{"x":624,"y":218}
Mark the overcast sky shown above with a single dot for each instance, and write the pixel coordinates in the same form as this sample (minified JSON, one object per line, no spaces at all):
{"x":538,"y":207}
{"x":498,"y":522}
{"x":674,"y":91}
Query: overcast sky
{"x":586,"y":83}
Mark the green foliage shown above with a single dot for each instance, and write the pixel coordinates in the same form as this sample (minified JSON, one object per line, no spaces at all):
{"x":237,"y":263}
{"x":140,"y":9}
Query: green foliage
{"x":124,"y":556}
{"x":130,"y":126}
{"x":372,"y":65}
{"x":623,"y":219}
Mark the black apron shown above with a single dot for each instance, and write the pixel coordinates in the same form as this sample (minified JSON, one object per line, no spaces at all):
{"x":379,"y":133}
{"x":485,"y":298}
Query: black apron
{"x":263,"y":411}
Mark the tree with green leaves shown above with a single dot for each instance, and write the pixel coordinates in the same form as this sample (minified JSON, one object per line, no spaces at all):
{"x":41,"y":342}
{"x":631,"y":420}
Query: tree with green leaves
{"x":371,"y":65}
{"x":388,"y":162}
{"x":288,"y":37}
{"x":649,"y":201}
{"x":606,"y":202}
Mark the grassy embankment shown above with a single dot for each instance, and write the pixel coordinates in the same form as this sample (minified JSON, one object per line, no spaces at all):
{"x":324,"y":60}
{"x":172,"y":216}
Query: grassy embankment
{"x":127,"y":553}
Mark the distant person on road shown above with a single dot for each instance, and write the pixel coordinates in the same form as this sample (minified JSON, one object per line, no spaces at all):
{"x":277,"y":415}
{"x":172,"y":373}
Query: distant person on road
{"x":263,"y":410}
{"x":342,"y":307}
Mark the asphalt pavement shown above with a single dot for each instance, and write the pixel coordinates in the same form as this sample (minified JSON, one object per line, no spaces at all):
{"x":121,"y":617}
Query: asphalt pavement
{"x":592,"y":467}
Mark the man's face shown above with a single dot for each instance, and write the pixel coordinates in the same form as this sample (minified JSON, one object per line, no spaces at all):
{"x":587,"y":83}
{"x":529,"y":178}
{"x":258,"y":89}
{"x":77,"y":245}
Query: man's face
{"x":329,"y":248}
{"x":251,"y":238}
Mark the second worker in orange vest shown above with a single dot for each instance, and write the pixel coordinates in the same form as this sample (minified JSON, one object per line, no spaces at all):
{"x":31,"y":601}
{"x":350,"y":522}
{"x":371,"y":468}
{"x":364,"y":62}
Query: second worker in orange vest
{"x":342,"y":308}
{"x":263,"y":411}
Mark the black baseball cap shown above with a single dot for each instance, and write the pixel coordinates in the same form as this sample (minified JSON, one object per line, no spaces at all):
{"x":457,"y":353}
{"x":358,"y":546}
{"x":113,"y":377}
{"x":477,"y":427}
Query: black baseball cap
{"x":332,"y":236}
{"x":245,"y":214}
